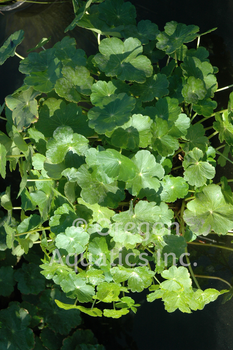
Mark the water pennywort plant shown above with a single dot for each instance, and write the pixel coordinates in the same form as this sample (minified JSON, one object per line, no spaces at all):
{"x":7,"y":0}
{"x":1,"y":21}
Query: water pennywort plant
{"x":117,"y":138}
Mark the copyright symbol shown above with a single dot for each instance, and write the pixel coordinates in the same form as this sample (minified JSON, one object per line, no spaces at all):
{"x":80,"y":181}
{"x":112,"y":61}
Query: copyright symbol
{"x":80,"y":223}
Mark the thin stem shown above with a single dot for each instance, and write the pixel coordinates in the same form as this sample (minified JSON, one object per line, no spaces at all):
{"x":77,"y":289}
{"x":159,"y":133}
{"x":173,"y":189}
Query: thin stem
{"x":32,"y":231}
{"x":31,"y":180}
{"x":209,"y":127}
{"x":219,"y":147}
{"x":98,"y":39}
{"x":193,"y":116}
{"x":16,"y":156}
{"x":224,"y":88}
{"x":220,"y":154}
{"x":190,"y":268}
{"x":215,"y":278}
{"x":156,"y":280}
{"x":206,"y":118}
{"x":21,"y":57}
{"x":38,"y":242}
{"x":210,"y":245}
{"x":212,"y":135}
{"x":198,"y":41}
{"x":3,"y":118}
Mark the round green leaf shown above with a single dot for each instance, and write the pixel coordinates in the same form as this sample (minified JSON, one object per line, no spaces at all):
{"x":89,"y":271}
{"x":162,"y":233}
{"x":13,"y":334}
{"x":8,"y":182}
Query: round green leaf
{"x":75,"y":81}
{"x":116,"y":113}
{"x":175,"y":35}
{"x":209,"y":211}
{"x":123,"y":59}
{"x":197,"y":171}
{"x":64,"y":141}
{"x":133,"y":134}
{"x":73,"y":240}
{"x":173,"y":188}
{"x":193,"y":90}
{"x":155,"y":86}
{"x":55,"y":113}
{"x":147,"y":174}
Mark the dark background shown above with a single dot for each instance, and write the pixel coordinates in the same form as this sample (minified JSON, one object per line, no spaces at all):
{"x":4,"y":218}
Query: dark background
{"x":152,"y":328}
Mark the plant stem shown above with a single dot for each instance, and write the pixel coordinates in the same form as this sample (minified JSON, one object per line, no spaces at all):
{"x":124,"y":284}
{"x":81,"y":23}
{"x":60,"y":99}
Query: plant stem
{"x":190,"y":269}
{"x":214,"y":278}
{"x":220,"y":154}
{"x":193,"y":116}
{"x":182,"y":229}
{"x":32,"y":231}
{"x":31,"y":180}
{"x":224,"y":88}
{"x":205,"y":118}
{"x":211,"y":245}
{"x":219,"y":147}
{"x":212,"y":135}
{"x":21,"y":57}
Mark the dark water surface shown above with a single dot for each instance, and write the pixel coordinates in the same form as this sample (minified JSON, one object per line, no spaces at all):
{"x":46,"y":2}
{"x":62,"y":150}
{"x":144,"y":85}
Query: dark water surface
{"x":152,"y":328}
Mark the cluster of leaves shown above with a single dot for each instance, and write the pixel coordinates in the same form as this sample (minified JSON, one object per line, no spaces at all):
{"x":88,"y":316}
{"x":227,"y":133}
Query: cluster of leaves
{"x":115,"y":141}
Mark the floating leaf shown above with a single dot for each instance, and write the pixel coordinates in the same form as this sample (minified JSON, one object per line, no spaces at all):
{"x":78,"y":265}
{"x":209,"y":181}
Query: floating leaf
{"x":173,"y":188}
{"x":197,"y":171}
{"x":145,"y":31}
{"x":75,"y":81}
{"x":155,"y":86}
{"x":117,"y":12}
{"x":205,"y":107}
{"x":73,"y":240}
{"x":123,"y":59}
{"x":24,"y":108}
{"x":195,"y":137}
{"x":116,"y":113}
{"x":64,"y":141}
{"x":209,"y":211}
{"x":73,"y":283}
{"x":115,"y":165}
{"x":162,"y":142}
{"x":133,"y":134}
{"x":147,"y":174}
{"x":139,"y":278}
{"x":95,"y":191}
{"x":55,"y":113}
{"x":175,"y":35}
{"x":193,"y":90}
{"x":100,"y":90}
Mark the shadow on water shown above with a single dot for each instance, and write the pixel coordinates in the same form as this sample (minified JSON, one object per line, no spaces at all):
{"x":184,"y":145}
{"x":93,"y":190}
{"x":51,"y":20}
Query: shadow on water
{"x":152,"y":328}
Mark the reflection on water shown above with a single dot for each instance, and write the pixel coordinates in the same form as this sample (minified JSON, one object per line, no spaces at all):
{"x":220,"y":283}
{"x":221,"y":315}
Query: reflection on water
{"x":38,"y":21}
